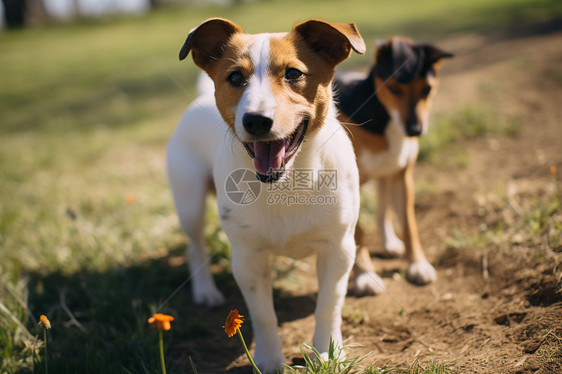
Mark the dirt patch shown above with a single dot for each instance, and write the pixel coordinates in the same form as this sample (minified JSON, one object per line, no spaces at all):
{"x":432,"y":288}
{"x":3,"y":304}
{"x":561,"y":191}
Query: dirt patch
{"x":496,"y":308}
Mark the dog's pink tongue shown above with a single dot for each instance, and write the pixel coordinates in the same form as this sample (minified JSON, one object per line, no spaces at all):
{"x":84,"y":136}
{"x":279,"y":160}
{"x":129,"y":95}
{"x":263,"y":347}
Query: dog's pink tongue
{"x":268,"y":156}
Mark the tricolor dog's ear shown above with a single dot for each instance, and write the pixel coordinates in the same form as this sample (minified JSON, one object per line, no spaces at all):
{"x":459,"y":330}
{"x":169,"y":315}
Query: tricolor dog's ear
{"x":379,"y":43}
{"x":206,"y":41}
{"x":398,"y":58}
{"x":382,"y":49}
{"x":434,"y":54}
{"x":334,"y":41}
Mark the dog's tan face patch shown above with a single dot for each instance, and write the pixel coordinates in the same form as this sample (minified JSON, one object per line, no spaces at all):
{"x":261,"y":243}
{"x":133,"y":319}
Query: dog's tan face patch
{"x":272,"y":89}
{"x":300,"y":82}
{"x":411,"y":101}
{"x":235,"y":59}
{"x":276,"y":78}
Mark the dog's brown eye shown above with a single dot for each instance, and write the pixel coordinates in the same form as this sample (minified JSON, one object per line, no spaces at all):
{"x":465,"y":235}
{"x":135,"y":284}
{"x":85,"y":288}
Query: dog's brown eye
{"x":236,"y":79}
{"x":292,"y":74}
{"x":426,"y":91}
{"x":395,"y":90}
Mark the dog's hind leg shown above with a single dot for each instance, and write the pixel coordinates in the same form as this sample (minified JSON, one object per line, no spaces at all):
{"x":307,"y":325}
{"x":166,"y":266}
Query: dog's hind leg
{"x":190,"y":179}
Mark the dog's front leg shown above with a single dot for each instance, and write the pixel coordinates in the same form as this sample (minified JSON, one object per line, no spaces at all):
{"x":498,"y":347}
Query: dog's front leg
{"x":393,"y":246}
{"x":252,"y":273}
{"x":365,"y":280}
{"x":334,"y":264}
{"x":420,"y":271}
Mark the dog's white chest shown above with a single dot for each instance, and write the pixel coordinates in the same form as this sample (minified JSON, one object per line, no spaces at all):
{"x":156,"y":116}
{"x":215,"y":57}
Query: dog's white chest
{"x":289,"y":217}
{"x":401,"y":151}
{"x":292,"y":231}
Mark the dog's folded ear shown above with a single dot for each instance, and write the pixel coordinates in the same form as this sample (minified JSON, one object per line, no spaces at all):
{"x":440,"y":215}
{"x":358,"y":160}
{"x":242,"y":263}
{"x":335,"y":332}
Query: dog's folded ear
{"x":403,"y":59}
{"x":334,"y":41}
{"x":207,"y":40}
{"x":398,"y":58}
{"x":434,"y":54}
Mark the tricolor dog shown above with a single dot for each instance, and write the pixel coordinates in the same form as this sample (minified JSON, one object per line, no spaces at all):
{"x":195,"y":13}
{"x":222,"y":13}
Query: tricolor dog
{"x":387,"y":110}
{"x":271,"y":115}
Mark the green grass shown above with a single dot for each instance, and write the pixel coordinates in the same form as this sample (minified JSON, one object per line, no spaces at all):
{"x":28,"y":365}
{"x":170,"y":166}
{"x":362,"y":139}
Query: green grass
{"x":537,"y":220}
{"x":334,"y":363}
{"x":85,"y":210}
{"x":471,"y":121}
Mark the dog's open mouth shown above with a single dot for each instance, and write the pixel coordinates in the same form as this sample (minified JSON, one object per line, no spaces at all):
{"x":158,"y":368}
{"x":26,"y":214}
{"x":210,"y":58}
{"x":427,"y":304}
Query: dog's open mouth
{"x":270,"y":157}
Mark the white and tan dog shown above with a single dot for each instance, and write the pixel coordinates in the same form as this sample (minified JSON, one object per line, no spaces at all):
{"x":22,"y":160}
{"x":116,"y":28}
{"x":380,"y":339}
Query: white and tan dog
{"x":271,"y":116}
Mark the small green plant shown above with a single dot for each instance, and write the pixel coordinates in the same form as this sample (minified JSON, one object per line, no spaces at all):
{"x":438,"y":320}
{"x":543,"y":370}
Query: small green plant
{"x":193,"y":367}
{"x":335,"y":363}
{"x":433,"y":368}
{"x":354,"y":315}
{"x":374,"y":370}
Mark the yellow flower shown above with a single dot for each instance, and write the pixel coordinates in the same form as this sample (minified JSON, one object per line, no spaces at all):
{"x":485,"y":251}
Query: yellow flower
{"x":44,"y":322}
{"x":233,"y":323}
{"x":161,"y":321}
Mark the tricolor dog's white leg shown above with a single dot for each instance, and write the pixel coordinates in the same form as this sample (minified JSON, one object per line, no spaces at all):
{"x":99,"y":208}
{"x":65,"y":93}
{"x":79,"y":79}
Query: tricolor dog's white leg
{"x":393,"y":246}
{"x":365,"y":280}
{"x":189,"y":180}
{"x":333,"y":264}
{"x":251,"y":269}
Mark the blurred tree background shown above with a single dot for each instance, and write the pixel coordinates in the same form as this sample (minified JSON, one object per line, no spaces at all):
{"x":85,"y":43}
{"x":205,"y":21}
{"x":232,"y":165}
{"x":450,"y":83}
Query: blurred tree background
{"x":21,"y":13}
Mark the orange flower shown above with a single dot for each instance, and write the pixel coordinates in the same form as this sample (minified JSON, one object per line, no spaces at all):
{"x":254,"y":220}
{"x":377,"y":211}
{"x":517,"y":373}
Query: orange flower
{"x":44,"y":322}
{"x":161,"y":321}
{"x":552,"y":169}
{"x":233,"y":323}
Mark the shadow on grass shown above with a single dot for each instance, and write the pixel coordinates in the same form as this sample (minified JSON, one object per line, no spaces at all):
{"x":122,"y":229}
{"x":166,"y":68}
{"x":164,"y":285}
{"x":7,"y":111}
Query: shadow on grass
{"x":112,"y":308}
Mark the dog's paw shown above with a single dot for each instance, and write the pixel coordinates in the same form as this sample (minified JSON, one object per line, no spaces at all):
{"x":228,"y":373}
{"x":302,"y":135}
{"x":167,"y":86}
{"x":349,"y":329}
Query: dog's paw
{"x":421,"y":273}
{"x":394,"y":248}
{"x":368,"y":283}
{"x":324,"y":356}
{"x":270,"y":364}
{"x":208,"y":296}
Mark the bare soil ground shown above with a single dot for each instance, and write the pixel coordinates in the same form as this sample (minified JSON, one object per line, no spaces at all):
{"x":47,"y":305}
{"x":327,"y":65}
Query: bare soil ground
{"x":496,"y":307}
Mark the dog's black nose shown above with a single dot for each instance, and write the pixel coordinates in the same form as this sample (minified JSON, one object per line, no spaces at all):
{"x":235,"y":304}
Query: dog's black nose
{"x":414,"y":129}
{"x":256,"y":124}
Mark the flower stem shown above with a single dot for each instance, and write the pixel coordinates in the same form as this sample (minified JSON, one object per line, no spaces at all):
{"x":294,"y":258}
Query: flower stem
{"x":45,"y":339}
{"x":33,"y":353}
{"x":161,"y":344}
{"x":248,"y":352}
